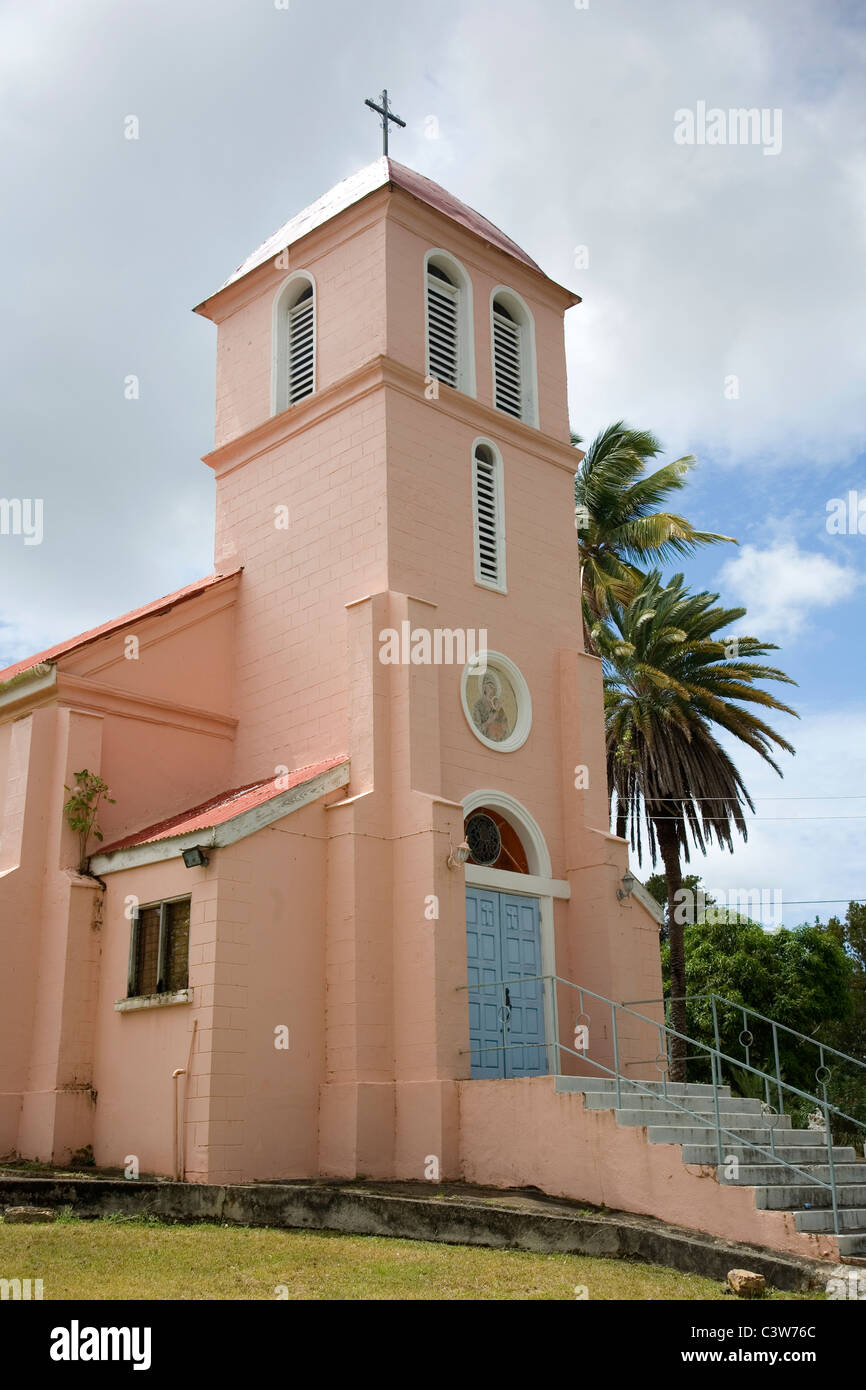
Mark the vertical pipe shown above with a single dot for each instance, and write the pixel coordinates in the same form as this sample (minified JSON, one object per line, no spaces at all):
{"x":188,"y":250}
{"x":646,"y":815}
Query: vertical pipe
{"x":185,"y":1099}
{"x":556,"y":1056}
{"x":178,"y":1072}
{"x":616,"y":1057}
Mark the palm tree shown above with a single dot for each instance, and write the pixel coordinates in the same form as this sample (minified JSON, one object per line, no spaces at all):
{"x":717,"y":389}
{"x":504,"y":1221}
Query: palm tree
{"x":618,"y":525}
{"x":670,"y":684}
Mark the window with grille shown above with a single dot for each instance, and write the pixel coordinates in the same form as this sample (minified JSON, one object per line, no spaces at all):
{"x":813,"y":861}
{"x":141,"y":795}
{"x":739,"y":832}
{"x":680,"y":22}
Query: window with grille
{"x":443,"y":327}
{"x":159,"y":949}
{"x":487,"y":507}
{"x":301,"y":347}
{"x":508,"y":366}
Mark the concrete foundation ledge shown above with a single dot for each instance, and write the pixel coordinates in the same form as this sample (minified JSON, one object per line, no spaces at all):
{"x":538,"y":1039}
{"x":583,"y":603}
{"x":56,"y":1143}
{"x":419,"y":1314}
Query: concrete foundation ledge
{"x":453,"y":1213}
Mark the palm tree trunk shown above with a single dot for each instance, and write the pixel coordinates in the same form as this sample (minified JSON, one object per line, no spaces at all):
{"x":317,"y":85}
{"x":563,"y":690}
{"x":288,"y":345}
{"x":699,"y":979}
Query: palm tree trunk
{"x":670,"y":852}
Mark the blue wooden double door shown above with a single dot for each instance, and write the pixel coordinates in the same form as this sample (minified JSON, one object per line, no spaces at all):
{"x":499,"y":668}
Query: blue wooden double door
{"x":506,"y":1011}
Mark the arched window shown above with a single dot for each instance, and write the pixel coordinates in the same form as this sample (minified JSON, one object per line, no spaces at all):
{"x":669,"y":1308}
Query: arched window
{"x":450,"y":356}
{"x":513,"y":344}
{"x":493,"y":842}
{"x":488,"y":510}
{"x":294,"y":336}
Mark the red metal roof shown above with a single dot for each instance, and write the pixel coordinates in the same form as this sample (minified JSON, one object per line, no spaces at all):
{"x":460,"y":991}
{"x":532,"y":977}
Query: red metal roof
{"x":159,"y":605}
{"x":365,"y":181}
{"x":223,"y":807}
{"x":439,"y":198}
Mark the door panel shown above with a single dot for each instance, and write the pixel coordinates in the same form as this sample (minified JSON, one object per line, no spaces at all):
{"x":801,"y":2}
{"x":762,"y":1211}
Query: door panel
{"x":484,"y":965}
{"x":503,"y":942}
{"x":521,"y":936}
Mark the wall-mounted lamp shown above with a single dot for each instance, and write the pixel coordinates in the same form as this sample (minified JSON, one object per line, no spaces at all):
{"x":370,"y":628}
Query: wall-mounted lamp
{"x":457,"y":857}
{"x":628,"y":883}
{"x":194,"y":858}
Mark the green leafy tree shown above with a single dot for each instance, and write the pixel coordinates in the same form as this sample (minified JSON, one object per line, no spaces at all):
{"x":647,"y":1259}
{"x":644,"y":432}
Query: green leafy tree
{"x":802,"y":978}
{"x":847,"y":1032}
{"x":621,"y":524}
{"x":671,"y":683}
{"x":657,"y":886}
{"x":82,"y":809}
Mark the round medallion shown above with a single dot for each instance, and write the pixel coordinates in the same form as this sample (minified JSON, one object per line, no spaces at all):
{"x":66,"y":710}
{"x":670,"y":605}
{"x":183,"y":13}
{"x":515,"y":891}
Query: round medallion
{"x":483,"y":839}
{"x":496,"y":702}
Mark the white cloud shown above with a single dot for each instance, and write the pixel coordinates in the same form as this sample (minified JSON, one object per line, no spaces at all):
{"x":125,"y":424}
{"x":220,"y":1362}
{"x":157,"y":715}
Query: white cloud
{"x":783,"y":586}
{"x":704,"y":262}
{"x":806,"y":838}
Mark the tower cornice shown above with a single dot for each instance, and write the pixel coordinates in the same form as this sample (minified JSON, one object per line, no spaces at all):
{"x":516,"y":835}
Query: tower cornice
{"x":376,"y":374}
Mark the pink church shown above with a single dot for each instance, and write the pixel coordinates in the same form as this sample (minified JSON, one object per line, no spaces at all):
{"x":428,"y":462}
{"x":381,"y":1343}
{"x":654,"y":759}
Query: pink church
{"x":360,"y":816}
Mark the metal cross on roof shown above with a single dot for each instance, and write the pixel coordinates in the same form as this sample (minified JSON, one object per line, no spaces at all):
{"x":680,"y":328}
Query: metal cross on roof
{"x":386,"y":114}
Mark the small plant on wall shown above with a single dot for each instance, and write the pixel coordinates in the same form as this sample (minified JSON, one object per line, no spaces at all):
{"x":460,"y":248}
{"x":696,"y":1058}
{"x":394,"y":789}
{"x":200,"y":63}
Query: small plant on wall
{"x":82,"y":809}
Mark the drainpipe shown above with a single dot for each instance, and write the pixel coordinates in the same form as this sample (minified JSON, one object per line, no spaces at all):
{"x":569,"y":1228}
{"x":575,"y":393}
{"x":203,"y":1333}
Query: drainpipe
{"x":178,"y":1071}
{"x":179,"y":1146}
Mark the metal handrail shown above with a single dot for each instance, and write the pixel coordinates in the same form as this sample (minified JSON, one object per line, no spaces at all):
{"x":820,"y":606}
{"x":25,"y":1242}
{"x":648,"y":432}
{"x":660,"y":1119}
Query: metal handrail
{"x":745,"y":1009}
{"x":715,"y":1056}
{"x":823,"y":1048}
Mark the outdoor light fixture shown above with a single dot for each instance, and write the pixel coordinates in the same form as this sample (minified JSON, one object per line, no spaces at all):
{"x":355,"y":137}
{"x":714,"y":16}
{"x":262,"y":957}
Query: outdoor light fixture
{"x":628,"y":883}
{"x":457,"y":857}
{"x":195,"y":857}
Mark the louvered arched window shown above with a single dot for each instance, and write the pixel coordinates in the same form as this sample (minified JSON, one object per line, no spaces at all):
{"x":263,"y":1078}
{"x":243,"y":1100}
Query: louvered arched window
{"x":513,"y":345}
{"x":448,"y":289}
{"x":294,"y":331}
{"x":488,"y":510}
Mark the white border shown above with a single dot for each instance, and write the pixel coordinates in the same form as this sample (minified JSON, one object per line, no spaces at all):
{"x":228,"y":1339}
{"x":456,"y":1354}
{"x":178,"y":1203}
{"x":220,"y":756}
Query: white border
{"x":465,"y":321}
{"x":538,"y":883}
{"x":521,"y":731}
{"x":501,"y":586}
{"x":279,"y":322}
{"x":529,"y":365}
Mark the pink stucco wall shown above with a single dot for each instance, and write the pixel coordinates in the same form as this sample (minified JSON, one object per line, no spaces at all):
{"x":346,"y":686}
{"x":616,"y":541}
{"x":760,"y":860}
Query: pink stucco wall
{"x":521,"y":1132}
{"x":318,"y":921}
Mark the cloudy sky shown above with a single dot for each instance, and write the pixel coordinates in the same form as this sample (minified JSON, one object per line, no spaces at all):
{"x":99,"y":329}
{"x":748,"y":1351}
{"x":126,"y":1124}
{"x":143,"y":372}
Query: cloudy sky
{"x":723,"y":285}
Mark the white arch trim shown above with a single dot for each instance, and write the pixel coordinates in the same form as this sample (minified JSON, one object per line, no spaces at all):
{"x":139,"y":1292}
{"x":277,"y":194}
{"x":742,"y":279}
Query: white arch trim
{"x":536,"y":884}
{"x":517,"y":305}
{"x":465,"y":316}
{"x":521,"y":820}
{"x":279,"y":338}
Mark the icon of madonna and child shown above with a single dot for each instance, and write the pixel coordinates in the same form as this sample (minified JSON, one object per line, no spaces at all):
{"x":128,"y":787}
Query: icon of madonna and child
{"x":495,"y":709}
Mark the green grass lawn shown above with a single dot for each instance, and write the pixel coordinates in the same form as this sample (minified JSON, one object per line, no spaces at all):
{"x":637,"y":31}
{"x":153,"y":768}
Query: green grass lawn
{"x":141,"y":1258}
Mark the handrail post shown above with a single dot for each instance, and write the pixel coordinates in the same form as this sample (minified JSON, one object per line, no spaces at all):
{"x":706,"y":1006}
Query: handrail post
{"x":828,"y":1134}
{"x":778,"y":1070}
{"x":555,"y":1011}
{"x":715,"y":1022}
{"x":716,"y":1072}
{"x":616,"y":1057}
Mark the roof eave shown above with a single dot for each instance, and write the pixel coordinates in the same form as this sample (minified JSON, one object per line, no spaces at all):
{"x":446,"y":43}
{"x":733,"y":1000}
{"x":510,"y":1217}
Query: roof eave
{"x":33,"y":683}
{"x":227,"y":832}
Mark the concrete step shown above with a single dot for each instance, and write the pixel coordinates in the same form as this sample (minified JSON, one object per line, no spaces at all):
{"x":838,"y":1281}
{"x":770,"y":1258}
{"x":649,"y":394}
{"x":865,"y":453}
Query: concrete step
{"x":738,"y":1121}
{"x":792,"y":1153}
{"x":605,"y":1084}
{"x":851,"y":1219}
{"x":691,"y":1133}
{"x":704,"y":1105}
{"x":797,"y":1196}
{"x":852,"y":1245}
{"x":768,"y":1174}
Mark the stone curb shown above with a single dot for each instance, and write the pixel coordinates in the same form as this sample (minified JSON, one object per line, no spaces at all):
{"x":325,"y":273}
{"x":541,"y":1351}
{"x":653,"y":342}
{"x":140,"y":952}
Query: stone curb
{"x":461,"y":1220}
